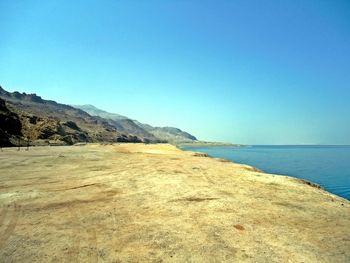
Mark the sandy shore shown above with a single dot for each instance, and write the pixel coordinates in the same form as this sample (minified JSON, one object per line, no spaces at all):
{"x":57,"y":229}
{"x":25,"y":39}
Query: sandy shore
{"x":155,"y":203}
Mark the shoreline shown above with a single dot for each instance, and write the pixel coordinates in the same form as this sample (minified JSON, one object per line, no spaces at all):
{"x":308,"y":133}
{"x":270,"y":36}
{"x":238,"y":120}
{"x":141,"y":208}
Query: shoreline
{"x":202,"y":154}
{"x":208,"y":144}
{"x":137,"y":202}
{"x":289,"y":173}
{"x":199,"y":154}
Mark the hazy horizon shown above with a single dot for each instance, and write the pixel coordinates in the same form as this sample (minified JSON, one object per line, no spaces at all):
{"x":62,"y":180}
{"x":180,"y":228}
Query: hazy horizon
{"x":246,"y":72}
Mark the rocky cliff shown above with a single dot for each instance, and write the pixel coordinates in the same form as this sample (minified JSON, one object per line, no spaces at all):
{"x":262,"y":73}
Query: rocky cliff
{"x":26,"y":117}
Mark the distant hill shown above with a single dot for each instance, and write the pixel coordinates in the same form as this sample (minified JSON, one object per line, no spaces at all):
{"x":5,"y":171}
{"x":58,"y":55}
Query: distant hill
{"x":93,"y":111}
{"x":144,"y":131}
{"x":170,"y":134}
{"x":42,"y":121}
{"x":121,"y":123}
{"x":29,"y":117}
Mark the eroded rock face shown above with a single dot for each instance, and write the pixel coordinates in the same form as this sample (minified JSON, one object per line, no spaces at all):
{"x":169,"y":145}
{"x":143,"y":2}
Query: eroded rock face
{"x":4,"y":139}
{"x":72,"y":125}
{"x":130,"y":138}
{"x":36,"y":128}
{"x":10,"y":125}
{"x":47,"y":128}
{"x":18,"y":128}
{"x":29,"y":117}
{"x":9,"y":120}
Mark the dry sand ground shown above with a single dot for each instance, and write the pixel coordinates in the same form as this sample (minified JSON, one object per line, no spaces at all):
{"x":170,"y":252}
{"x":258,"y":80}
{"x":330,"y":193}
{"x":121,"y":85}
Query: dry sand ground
{"x":155,"y":203}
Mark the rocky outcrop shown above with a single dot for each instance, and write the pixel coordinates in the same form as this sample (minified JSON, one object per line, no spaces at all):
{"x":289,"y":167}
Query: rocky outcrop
{"x":10,"y":125}
{"x":26,"y":117}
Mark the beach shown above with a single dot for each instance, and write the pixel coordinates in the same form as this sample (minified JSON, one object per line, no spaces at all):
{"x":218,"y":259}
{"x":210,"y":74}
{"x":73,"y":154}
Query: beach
{"x":157,"y":203}
{"x":326,"y":165}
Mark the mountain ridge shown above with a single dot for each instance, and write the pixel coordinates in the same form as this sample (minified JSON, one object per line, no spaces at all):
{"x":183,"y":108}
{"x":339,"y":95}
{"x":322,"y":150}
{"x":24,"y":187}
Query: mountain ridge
{"x":160,"y":134}
{"x":43,"y":122}
{"x":48,"y":122}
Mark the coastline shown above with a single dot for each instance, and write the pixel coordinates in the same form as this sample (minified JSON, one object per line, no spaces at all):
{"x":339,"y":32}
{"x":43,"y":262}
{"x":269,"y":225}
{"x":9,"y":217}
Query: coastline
{"x":136,"y":202}
{"x":208,"y":144}
{"x":326,"y":166}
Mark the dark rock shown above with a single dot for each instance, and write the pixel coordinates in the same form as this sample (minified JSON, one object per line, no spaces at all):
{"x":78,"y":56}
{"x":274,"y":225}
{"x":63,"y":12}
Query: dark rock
{"x":33,"y":119}
{"x":9,"y":121}
{"x":46,"y":130}
{"x":72,"y":125}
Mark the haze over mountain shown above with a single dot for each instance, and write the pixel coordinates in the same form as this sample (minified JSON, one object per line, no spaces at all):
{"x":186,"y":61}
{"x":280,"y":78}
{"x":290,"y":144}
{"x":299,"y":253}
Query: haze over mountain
{"x":145,"y":131}
{"x":26,"y":117}
{"x":92,"y":110}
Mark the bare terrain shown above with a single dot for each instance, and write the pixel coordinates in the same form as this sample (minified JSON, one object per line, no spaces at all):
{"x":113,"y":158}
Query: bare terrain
{"x":156,"y":203}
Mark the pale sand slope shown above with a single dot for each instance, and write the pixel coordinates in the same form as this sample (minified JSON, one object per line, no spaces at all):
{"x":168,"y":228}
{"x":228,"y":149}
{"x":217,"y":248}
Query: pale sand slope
{"x":154,"y":203}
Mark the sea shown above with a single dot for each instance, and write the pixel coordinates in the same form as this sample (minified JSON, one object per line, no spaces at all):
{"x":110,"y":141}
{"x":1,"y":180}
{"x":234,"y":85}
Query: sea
{"x":328,"y":166}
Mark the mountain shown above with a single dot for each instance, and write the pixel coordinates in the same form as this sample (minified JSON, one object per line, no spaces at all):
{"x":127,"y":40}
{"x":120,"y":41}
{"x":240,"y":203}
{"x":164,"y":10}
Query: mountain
{"x":121,"y":123}
{"x":93,"y":111}
{"x":144,"y":131}
{"x":170,"y":134}
{"x":28,"y":116}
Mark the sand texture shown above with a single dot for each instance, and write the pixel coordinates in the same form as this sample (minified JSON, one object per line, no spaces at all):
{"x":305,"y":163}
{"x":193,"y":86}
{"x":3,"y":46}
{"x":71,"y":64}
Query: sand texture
{"x":156,"y":203}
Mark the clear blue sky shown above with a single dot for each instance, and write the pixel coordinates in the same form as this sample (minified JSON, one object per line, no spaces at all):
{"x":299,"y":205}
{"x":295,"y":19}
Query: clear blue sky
{"x":254,"y":72}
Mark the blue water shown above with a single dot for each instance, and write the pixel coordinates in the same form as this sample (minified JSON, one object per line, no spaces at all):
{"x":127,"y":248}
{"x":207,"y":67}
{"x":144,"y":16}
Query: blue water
{"x":328,"y":166}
